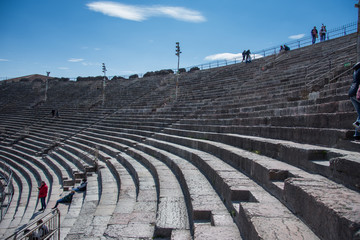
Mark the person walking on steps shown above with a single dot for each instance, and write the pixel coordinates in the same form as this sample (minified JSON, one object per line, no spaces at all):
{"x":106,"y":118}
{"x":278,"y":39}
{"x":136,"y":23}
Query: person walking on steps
{"x":247,"y":56}
{"x":43,"y":190}
{"x":354,"y":89}
{"x":314,"y":35}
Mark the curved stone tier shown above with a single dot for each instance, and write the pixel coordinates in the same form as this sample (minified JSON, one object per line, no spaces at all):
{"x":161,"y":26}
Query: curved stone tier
{"x":247,"y":151}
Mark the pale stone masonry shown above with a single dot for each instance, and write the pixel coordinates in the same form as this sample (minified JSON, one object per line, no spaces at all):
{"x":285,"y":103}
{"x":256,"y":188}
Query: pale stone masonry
{"x":247,"y":151}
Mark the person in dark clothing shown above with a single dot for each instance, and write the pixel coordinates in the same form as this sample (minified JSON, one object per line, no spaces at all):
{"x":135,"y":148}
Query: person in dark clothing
{"x":314,"y":35}
{"x":243,"y":55}
{"x":31,"y":236}
{"x":66,"y":199}
{"x":356,"y":102}
{"x":322,"y":33}
{"x":248,"y":57}
{"x":43,"y":229}
{"x":81,"y":187}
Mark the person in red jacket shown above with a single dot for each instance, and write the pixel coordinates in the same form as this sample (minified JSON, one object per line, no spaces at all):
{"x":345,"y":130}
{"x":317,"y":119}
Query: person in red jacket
{"x":43,"y":190}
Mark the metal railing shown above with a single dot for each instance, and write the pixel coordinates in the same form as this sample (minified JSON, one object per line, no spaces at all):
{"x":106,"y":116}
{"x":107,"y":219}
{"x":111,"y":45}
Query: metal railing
{"x":8,"y":192}
{"x":331,"y":58}
{"x":92,"y":155}
{"x":305,"y":41}
{"x":52,"y":223}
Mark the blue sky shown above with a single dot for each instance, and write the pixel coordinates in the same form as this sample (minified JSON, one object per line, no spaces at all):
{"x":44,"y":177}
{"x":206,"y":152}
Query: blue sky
{"x":73,"y":38}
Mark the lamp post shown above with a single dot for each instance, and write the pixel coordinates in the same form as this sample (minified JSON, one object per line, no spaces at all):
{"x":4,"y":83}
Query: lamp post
{"x":178,"y":65}
{"x":46,"y":85}
{"x":103,"y":87}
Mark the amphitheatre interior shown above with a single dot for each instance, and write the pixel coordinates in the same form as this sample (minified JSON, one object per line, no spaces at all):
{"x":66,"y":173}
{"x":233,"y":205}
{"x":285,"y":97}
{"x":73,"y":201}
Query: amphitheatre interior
{"x":263,"y":150}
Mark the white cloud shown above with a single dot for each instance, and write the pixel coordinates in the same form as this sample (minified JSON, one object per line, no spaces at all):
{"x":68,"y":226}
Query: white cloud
{"x":90,"y":64}
{"x":230,"y":56}
{"x":180,"y":13}
{"x":4,"y":60}
{"x":141,"y":13}
{"x":223,"y":56}
{"x":256,"y":56}
{"x":297,"y":36}
{"x":76,"y":60}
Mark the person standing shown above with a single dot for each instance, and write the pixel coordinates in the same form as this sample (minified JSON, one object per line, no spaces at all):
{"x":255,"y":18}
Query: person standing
{"x":248,"y":57}
{"x":356,"y":102}
{"x":314,"y":34}
{"x":322,"y":33}
{"x":43,"y":190}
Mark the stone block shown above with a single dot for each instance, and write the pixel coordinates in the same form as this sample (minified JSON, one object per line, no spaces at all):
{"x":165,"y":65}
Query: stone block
{"x":208,"y":232}
{"x":331,"y":210}
{"x":242,"y":196}
{"x":68,"y":183}
{"x":135,"y":230}
{"x":181,"y":234}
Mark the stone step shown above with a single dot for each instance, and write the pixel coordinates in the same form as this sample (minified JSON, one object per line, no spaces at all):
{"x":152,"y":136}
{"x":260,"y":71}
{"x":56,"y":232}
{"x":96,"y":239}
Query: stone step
{"x":71,"y":213}
{"x":260,"y":168}
{"x":205,"y":205}
{"x":26,"y":205}
{"x":41,"y":173}
{"x":197,"y":213}
{"x":252,"y":197}
{"x":338,"y":165}
{"x":20,"y":191}
{"x":88,"y":209}
{"x":166,"y":219}
{"x":328,"y":137}
{"x":61,"y":171}
{"x":64,"y":162}
{"x":76,"y":161}
{"x":134,"y":212}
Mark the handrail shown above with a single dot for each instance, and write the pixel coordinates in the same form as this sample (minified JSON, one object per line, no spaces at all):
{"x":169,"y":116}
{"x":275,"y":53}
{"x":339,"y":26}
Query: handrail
{"x":89,"y":154}
{"x":322,"y":77}
{"x":305,"y":41}
{"x":50,"y":220}
{"x":322,"y":60}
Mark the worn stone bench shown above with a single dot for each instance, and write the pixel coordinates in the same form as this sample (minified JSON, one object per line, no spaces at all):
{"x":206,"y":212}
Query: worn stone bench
{"x":268,"y":172}
{"x":339,"y":165}
{"x":166,"y":219}
{"x":87,"y":211}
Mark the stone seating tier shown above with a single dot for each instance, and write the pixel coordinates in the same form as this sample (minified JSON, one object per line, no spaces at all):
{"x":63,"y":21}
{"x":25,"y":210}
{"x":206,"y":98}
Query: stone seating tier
{"x":33,"y":171}
{"x":221,"y":161}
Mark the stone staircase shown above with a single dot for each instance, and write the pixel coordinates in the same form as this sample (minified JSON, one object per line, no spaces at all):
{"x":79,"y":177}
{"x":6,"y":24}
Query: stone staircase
{"x":247,"y":151}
